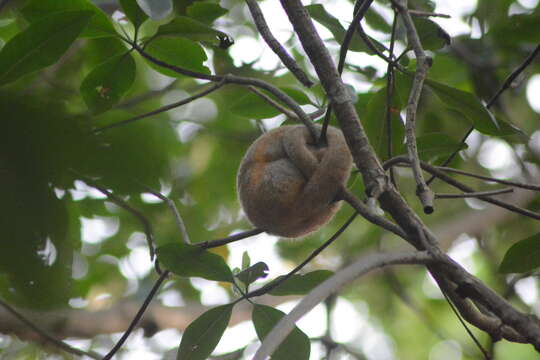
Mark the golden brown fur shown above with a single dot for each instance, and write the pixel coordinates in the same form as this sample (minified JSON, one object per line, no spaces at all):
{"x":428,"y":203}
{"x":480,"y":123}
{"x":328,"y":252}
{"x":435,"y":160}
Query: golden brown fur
{"x":287,"y":186}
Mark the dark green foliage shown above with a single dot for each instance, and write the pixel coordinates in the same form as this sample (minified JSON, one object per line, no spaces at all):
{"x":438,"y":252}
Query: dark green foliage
{"x":41,"y":44}
{"x":190,"y":260}
{"x":523,"y":256}
{"x":301,"y":284}
{"x":295,"y":346}
{"x":202,"y":336}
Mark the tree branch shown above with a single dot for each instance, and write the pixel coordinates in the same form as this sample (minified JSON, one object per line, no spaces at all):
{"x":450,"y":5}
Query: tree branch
{"x":341,"y":278}
{"x":276,"y":47}
{"x":422,"y":64}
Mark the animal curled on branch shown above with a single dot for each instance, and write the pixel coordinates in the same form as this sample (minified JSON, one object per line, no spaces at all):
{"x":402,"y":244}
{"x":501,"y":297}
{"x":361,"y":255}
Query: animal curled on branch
{"x":287,"y":185}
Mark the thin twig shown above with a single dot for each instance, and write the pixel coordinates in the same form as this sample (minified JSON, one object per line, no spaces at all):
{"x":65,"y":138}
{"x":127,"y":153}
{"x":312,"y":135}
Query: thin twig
{"x":124,"y":205}
{"x":370,"y":215}
{"x":240,"y":80}
{"x":341,"y":278}
{"x":422,"y":64}
{"x":138,"y":316}
{"x":474,"y":194}
{"x":278,"y":281}
{"x":276,"y":47}
{"x":441,"y":175}
{"x":161,"y":109}
{"x":506,"y":85}
{"x":427,"y":14}
{"x":488,"y":178}
{"x":314,"y":115}
{"x":177,"y":217}
{"x":390,"y":83}
{"x":146,"y":96}
{"x":58,"y":343}
{"x":220,"y":242}
{"x":361,"y":8}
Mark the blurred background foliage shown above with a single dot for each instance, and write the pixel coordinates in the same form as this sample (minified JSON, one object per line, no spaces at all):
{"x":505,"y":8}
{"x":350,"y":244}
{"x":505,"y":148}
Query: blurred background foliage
{"x":64,"y":244}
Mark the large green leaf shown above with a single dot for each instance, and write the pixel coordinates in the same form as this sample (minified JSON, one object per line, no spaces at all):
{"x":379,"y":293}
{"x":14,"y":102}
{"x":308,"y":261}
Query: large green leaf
{"x":251,"y":106}
{"x":523,"y":256}
{"x":301,"y":284}
{"x":205,"y":12}
{"x":296,"y":346}
{"x":191,"y":260}
{"x":41,"y":44}
{"x":202,"y":335}
{"x":179,"y":52}
{"x":471,"y":108}
{"x":133,"y":12}
{"x":192,"y":29}
{"x":105,"y":85}
{"x":375,"y":123}
{"x":432,"y":36}
{"x":434,"y":145}
{"x":156,"y":9}
{"x":99,"y":26}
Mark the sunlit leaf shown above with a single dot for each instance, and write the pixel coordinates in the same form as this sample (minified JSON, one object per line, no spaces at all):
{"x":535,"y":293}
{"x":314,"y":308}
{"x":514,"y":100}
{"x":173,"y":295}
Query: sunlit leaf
{"x":295,"y":346}
{"x":202,"y":335}
{"x":190,"y":260}
{"x":41,"y":44}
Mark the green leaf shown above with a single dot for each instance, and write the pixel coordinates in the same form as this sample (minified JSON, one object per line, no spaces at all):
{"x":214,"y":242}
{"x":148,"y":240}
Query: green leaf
{"x":375,"y":124}
{"x":41,"y":44}
{"x":472,"y":109}
{"x":202,"y":335}
{"x":434,"y":145}
{"x":191,"y":260}
{"x":523,"y":256}
{"x":252,"y":106}
{"x":99,"y":26}
{"x":319,"y":13}
{"x":105,"y":85}
{"x":157,"y":10}
{"x":252,"y":273}
{"x":133,"y":12}
{"x":377,"y":21}
{"x":301,"y":284}
{"x":295,"y":346}
{"x":432,"y":36}
{"x":297,"y":95}
{"x":192,"y":29}
{"x":205,"y":12}
{"x":180,"y":52}
{"x":246,"y":260}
